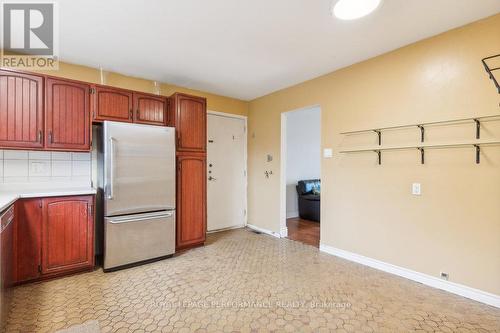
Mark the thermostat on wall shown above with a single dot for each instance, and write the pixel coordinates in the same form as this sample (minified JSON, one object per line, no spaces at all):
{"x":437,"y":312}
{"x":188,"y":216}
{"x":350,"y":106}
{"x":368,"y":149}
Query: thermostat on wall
{"x":327,"y":153}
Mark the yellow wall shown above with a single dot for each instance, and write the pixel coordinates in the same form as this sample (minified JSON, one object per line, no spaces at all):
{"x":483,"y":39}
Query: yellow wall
{"x":87,"y":74}
{"x":368,"y":209}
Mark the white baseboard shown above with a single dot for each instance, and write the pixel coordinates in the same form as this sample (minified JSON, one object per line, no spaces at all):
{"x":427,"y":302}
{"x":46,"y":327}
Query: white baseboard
{"x":225,"y":229}
{"x":264,"y":231}
{"x":284,"y":232}
{"x":293,"y":214}
{"x":455,"y":288}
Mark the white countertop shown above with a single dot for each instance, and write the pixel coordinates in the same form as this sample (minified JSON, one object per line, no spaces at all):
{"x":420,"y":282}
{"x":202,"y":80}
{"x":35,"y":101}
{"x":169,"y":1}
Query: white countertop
{"x":9,"y":196}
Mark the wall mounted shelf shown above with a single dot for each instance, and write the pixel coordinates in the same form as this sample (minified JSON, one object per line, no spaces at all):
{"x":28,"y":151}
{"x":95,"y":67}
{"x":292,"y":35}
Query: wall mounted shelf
{"x":490,"y":69}
{"x":422,"y":126}
{"x":421,"y":148}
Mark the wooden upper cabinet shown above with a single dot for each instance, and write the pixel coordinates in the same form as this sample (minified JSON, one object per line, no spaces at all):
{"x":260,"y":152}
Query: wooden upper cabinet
{"x":67,"y":235}
{"x":113,"y":104}
{"x":27,"y":240}
{"x":150,"y":109}
{"x":190,"y":122}
{"x":21,"y":110}
{"x":191,"y":200}
{"x":67,"y":115}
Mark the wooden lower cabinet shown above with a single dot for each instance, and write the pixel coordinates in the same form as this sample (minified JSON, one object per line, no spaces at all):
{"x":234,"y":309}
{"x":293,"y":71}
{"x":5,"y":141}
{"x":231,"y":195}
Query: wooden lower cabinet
{"x":191,"y":200}
{"x":67,"y":234}
{"x":53,"y":236}
{"x":27,"y":239}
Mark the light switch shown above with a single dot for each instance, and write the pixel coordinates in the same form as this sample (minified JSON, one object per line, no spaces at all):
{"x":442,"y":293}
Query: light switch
{"x":327,"y":153}
{"x":416,"y":189}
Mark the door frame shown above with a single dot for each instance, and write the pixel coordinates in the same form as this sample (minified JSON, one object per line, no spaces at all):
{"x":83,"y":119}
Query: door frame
{"x":245,"y":140}
{"x":283,"y":156}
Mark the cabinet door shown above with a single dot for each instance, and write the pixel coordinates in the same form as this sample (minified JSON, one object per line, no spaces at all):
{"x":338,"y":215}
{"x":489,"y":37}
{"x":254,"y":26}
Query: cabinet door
{"x":7,"y":255}
{"x":67,"y":234}
{"x":191,"y":123}
{"x":67,"y":115}
{"x":113,"y":104}
{"x":21,"y":110}
{"x":191,"y":200}
{"x":28,"y":239}
{"x":150,"y":109}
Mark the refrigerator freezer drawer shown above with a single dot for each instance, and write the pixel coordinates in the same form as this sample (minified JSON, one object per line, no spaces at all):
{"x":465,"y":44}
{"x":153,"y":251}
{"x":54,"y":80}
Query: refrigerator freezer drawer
{"x":140,"y":237}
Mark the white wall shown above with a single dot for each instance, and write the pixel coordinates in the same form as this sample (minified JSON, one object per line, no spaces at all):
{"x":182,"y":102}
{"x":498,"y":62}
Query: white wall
{"x":303,"y":145}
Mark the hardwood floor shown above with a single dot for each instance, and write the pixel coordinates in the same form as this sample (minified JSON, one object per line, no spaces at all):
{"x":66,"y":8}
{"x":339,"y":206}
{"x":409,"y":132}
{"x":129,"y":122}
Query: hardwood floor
{"x":303,"y":231}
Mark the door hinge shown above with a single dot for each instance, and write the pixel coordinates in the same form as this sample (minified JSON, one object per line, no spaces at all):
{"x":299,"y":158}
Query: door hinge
{"x":90,"y":209}
{"x":244,"y":212}
{"x":92,"y":91}
{"x":39,"y":268}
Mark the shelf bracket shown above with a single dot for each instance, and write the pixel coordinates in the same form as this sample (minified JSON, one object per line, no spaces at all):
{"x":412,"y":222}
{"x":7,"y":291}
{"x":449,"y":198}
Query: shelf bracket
{"x":422,"y":155}
{"x":379,"y":156}
{"x":491,"y":70}
{"x":478,"y":128}
{"x":379,"y":134}
{"x":422,"y":132}
{"x":478,"y":154}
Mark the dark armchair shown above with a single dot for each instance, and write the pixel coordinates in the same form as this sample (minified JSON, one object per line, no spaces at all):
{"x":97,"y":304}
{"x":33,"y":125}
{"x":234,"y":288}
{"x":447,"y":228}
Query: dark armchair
{"x":308,"y":192}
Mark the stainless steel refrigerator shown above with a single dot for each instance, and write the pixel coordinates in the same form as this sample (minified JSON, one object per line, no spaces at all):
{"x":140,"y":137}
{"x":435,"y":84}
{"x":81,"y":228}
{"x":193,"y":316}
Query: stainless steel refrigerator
{"x":138,"y":193}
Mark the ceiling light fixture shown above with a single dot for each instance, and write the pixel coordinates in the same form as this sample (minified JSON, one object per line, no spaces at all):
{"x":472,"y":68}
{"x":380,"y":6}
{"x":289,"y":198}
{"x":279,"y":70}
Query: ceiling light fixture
{"x":354,"y":9}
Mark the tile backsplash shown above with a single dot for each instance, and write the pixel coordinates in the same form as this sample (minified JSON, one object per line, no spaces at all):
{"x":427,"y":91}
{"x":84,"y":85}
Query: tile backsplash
{"x":23,"y":166}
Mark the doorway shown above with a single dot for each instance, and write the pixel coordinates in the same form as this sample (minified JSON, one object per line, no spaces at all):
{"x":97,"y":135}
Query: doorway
{"x":301,"y":175}
{"x":226,"y":171}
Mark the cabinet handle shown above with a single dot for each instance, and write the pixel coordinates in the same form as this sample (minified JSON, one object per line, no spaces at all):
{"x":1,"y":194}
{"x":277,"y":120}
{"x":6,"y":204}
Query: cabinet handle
{"x":137,"y":113}
{"x":40,"y":136}
{"x":178,"y":140}
{"x":51,"y":139}
{"x":131,"y":114}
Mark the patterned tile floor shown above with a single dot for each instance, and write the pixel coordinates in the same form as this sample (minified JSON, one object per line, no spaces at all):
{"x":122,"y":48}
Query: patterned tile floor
{"x":244,"y":282}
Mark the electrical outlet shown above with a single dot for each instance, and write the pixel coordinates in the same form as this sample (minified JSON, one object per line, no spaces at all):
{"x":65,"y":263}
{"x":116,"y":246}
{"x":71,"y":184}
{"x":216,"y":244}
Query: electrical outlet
{"x":416,"y":189}
{"x":444,"y":276}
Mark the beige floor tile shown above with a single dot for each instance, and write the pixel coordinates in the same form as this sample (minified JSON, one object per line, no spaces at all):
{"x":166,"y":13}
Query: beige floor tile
{"x":244,"y":282}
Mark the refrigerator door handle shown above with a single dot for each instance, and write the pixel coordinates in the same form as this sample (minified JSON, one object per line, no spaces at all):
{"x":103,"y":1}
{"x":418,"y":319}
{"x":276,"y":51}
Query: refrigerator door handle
{"x":141,"y":218}
{"x":111,"y":167}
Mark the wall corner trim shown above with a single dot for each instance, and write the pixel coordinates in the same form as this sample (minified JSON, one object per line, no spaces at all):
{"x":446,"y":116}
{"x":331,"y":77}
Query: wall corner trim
{"x":455,"y":288}
{"x":264,"y":231}
{"x":284,"y":232}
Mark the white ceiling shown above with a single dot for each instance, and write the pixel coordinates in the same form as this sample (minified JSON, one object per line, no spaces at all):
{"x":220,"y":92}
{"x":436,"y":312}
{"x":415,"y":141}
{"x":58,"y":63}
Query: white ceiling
{"x":245,"y":48}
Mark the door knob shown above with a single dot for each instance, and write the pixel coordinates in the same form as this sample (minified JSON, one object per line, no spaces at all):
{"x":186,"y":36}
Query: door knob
{"x":211,"y":178}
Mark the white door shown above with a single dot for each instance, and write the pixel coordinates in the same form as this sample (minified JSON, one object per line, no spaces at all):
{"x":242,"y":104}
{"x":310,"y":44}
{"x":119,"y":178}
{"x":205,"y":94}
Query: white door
{"x":226,"y":172}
